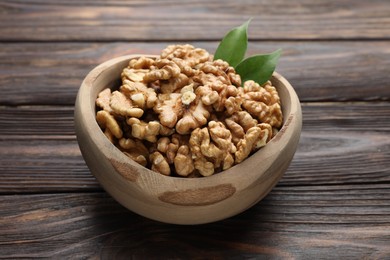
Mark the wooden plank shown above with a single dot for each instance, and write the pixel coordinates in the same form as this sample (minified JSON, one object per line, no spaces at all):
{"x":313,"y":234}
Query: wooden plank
{"x":340,"y":144}
{"x":51,"y":73}
{"x":45,"y":121}
{"x":56,"y":121}
{"x":43,"y":165}
{"x":351,"y":221}
{"x":30,"y":166}
{"x":192,"y":20}
{"x":340,"y":157}
{"x":355,"y":117}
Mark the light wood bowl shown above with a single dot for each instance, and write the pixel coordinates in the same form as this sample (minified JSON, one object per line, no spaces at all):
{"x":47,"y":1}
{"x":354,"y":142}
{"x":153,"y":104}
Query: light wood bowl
{"x":173,"y":199}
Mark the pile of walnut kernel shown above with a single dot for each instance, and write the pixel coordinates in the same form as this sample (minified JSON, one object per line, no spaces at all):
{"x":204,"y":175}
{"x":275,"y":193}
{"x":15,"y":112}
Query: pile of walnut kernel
{"x":183,"y":114}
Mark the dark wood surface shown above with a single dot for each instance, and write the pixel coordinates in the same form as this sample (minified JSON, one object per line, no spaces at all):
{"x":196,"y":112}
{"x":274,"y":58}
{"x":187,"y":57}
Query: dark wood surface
{"x":332,"y":203}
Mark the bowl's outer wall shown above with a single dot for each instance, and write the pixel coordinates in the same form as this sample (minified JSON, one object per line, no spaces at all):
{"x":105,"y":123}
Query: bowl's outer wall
{"x":181,"y":200}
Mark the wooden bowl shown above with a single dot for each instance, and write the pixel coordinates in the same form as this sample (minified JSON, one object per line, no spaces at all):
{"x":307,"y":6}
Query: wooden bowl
{"x":173,"y":199}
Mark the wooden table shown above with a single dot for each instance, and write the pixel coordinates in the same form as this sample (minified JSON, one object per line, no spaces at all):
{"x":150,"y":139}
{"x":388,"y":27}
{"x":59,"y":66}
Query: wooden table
{"x":334,"y":200}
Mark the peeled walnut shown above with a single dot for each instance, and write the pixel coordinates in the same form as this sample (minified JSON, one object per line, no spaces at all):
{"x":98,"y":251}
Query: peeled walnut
{"x":265,"y":135}
{"x":262,"y":103}
{"x":183,"y":162}
{"x":217,"y":87}
{"x":124,"y":106}
{"x":142,"y":130}
{"x":239,"y":123}
{"x":107,"y":121}
{"x":159,"y":163}
{"x":200,"y":143}
{"x":254,"y":138}
{"x":246,"y":145}
{"x":176,"y":151}
{"x":166,"y":69}
{"x":195,"y":115}
{"x":174,"y":84}
{"x":135,"y":75}
{"x":191,"y":55}
{"x":185,"y":67}
{"x":169,"y":108}
{"x":133,"y":145}
{"x":212,"y":148}
{"x":183,"y":110}
{"x":134,"y":149}
{"x":184,"y":114}
{"x":103,"y":100}
{"x":141,"y":63}
{"x":168,"y":147}
{"x":140,"y":95}
{"x":222,"y":137}
{"x":187,"y":95}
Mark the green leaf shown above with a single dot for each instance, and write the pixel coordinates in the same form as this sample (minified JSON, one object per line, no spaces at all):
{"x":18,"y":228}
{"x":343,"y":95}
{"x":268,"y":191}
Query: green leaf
{"x":233,"y":46}
{"x":258,"y":68}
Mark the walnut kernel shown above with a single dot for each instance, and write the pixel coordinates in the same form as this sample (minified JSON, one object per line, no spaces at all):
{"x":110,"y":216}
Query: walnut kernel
{"x":184,"y":114}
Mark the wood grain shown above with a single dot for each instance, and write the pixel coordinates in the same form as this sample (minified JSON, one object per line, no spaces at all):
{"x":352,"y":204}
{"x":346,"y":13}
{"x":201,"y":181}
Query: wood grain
{"x":332,"y":203}
{"x":43,"y":165}
{"x":51,"y":73}
{"x":301,"y":222}
{"x":48,"y":122}
{"x":191,"y":20}
{"x":340,"y":144}
{"x":44,"y":121}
